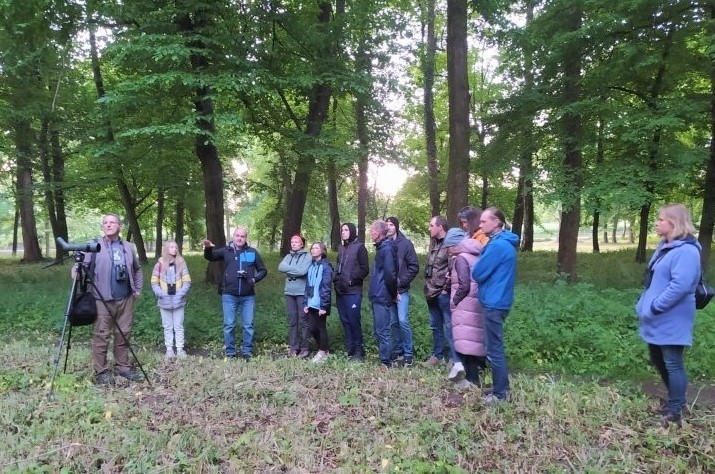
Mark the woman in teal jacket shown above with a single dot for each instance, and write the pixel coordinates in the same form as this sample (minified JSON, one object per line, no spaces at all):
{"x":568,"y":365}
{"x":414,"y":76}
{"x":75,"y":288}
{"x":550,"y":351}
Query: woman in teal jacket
{"x":666,"y":308}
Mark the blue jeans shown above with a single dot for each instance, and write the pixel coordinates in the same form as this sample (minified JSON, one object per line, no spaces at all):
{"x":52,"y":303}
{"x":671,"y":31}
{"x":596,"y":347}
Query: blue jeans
{"x":668,"y":360}
{"x":349,"y":311}
{"x":231,"y":305}
{"x":494,"y":339}
{"x":440,"y":321}
{"x":401,"y":330}
{"x":381,"y":323}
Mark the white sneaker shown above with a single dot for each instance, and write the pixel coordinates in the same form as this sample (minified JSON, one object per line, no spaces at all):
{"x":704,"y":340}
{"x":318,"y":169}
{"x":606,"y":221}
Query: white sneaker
{"x":457,"y":373}
{"x":169,"y":354}
{"x":464,"y":385}
{"x":181,"y":354}
{"x":320,"y":356}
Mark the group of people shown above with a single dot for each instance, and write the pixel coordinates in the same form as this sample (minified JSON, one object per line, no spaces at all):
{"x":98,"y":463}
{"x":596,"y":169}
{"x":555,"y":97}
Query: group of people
{"x":469,"y":283}
{"x":469,"y":290}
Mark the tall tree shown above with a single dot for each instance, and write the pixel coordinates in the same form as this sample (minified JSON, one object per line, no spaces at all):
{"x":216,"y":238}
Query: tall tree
{"x":427,"y":63}
{"x":707,"y":221}
{"x":458,"y":177}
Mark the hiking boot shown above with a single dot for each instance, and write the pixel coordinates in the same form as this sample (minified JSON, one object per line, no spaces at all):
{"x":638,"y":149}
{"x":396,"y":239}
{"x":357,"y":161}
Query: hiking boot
{"x":181,"y":354}
{"x":320,"y":356}
{"x":132,"y":375}
{"x":104,"y":378}
{"x":465,"y":385}
{"x":457,"y":372}
{"x":432,"y":361}
{"x":492,"y":399}
{"x":169,"y":354}
{"x":304,"y":353}
{"x":671,"y":418}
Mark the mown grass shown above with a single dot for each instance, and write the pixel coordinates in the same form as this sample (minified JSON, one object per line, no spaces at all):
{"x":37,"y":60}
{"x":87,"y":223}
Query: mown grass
{"x":574,"y":350}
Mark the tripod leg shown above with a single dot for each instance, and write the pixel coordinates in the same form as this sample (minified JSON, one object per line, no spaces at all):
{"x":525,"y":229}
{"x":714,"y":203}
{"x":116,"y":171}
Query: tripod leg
{"x":65,"y":325}
{"x":67,"y":354}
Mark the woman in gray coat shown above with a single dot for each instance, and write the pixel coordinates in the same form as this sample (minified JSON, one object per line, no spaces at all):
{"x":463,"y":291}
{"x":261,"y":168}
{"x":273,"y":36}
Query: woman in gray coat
{"x":295,"y":265}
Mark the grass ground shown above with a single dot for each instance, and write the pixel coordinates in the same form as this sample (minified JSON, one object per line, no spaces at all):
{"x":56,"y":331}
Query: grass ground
{"x":579,"y":404}
{"x":207,"y":414}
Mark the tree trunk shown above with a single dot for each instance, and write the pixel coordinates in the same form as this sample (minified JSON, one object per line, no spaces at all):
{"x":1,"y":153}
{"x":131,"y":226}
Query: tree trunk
{"x":707,"y":221}
{"x":318,"y":106}
{"x":430,"y":48}
{"x":43,"y":144}
{"x":362,"y":65}
{"x":599,"y":162}
{"x":158,"y":234}
{"x":57,"y":173}
{"x":571,"y":212}
{"x":527,"y":164}
{"x":180,"y":218}
{"x":23,"y":137}
{"x":643,"y":232}
{"x":333,"y":205}
{"x":458,"y":81}
{"x":595,"y":231}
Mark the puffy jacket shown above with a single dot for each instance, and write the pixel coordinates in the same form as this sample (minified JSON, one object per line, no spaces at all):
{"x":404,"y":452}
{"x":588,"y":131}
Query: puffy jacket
{"x":467,"y":312}
{"x":438,"y":261}
{"x":164,"y":275}
{"x":246,"y":259}
{"x":295,"y":266}
{"x":320,"y":274}
{"x":666,"y":309}
{"x":383,"y":281}
{"x":496,"y":271}
{"x":352,"y":267}
{"x":407,"y":264}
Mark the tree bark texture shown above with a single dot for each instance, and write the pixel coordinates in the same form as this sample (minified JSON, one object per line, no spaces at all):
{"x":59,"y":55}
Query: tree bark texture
{"x":707,"y":221}
{"x":458,"y":81}
{"x":23,"y":137}
{"x":430,"y":126}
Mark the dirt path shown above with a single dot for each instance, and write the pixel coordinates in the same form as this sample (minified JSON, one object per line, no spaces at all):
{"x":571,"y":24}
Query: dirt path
{"x":699,"y":393}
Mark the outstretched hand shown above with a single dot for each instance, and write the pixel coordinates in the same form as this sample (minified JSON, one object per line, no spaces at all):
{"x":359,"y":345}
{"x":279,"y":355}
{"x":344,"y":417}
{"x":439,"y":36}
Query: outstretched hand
{"x":207,"y":243}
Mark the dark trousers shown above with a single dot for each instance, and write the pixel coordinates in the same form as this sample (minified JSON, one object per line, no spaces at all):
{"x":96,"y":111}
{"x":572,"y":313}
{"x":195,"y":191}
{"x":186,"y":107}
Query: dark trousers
{"x":349,"y":311}
{"x":318,"y":328}
{"x":297,"y":323}
{"x":472,"y":366}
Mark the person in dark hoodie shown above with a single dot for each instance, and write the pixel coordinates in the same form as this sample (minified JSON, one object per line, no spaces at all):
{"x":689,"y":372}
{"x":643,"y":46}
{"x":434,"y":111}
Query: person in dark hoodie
{"x":495,"y":274}
{"x":407,"y":268}
{"x":351,"y":268}
{"x":383,"y":288}
{"x":242,"y":269}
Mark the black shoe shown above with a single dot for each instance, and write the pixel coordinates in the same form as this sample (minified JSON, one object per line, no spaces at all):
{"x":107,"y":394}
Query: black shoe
{"x":670,"y":419}
{"x":408,"y":362}
{"x":246,"y":357}
{"x":357,"y":357}
{"x":132,"y":375}
{"x":104,"y":378}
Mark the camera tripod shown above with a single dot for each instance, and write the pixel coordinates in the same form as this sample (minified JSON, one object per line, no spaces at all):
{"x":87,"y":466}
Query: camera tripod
{"x":81,"y":283}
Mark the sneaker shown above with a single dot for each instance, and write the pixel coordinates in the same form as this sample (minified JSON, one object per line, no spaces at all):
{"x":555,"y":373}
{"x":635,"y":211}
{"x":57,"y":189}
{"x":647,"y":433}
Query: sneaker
{"x":181,"y":354}
{"x":292,"y":353}
{"x":386,"y":367}
{"x":104,"y":378}
{"x":464,"y":385}
{"x":132,"y":375}
{"x":492,"y":399}
{"x":432,"y":361}
{"x":457,"y":373}
{"x":169,"y":354}
{"x":320,"y":356}
{"x":397,"y":357}
{"x":408,"y":362}
{"x":304,"y":353}
{"x":671,"y":419}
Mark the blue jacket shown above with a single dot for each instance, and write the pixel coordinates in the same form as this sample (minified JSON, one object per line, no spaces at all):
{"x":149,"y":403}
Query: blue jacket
{"x":320,"y":276}
{"x":666,"y":309}
{"x":495,"y":272}
{"x":383,"y":279}
{"x":242,"y":268}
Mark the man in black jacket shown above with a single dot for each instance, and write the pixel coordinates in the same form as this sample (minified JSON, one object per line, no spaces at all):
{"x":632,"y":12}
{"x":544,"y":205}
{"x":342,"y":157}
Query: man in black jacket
{"x":351,"y":268}
{"x":407,"y":268}
{"x":383,"y":288}
{"x":242,"y":269}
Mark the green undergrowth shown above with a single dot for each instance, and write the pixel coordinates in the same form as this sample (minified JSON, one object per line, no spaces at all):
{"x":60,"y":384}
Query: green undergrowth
{"x":587,"y":329}
{"x":206,"y":414}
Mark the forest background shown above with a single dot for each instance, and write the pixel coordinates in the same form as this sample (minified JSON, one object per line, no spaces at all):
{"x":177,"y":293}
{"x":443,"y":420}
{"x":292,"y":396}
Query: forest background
{"x":579,"y":118}
{"x":188,"y":117}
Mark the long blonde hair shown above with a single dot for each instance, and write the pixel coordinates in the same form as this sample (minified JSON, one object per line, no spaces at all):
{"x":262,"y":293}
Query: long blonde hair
{"x":167,"y":259}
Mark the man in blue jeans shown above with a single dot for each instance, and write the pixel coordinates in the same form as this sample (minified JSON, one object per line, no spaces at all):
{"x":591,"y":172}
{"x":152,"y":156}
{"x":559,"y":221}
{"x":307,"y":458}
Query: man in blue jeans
{"x":407,"y":268}
{"x":242,"y":269}
{"x":383,"y":288}
{"x":495,"y":274}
